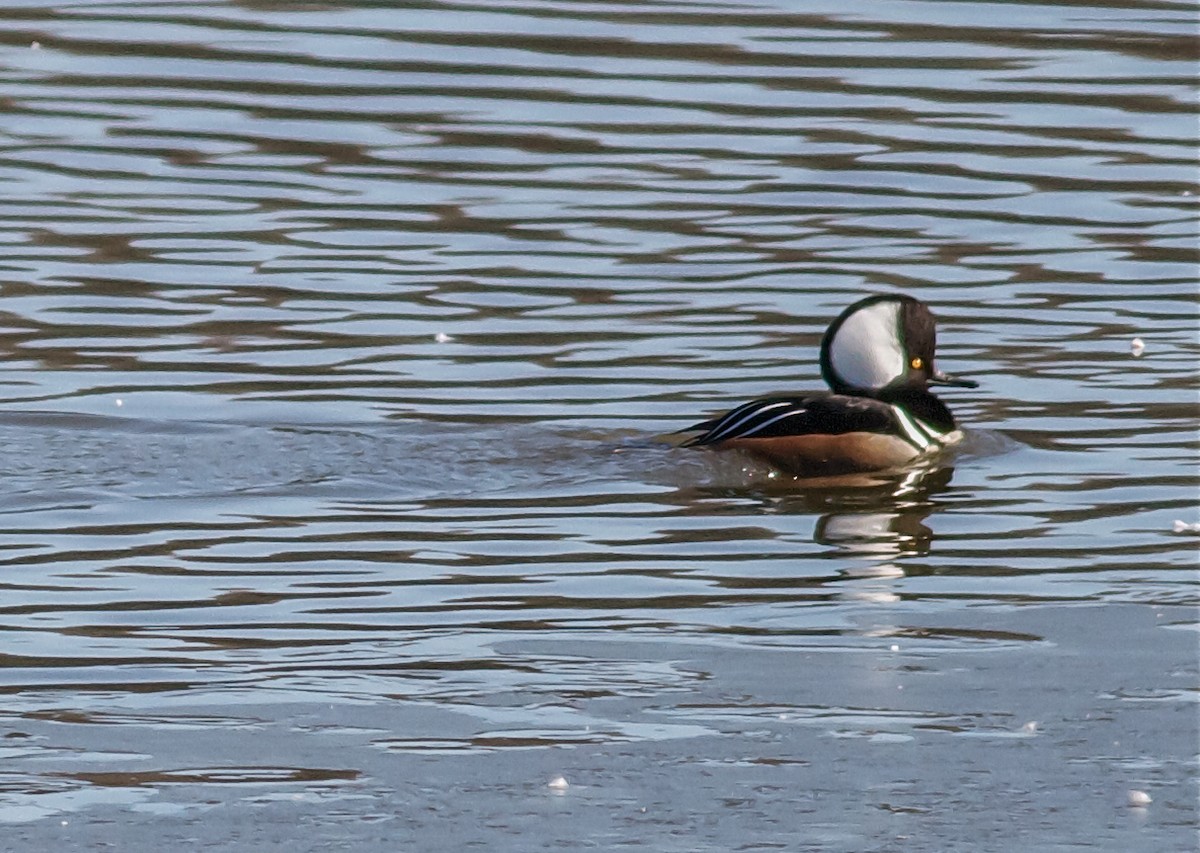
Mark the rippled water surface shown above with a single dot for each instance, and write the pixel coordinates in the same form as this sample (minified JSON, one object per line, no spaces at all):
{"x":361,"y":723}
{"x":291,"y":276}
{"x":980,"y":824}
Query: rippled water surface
{"x":336,"y":340}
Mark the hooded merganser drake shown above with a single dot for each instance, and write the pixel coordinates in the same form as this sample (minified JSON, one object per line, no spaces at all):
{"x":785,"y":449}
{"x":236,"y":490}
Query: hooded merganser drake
{"x":877,"y":357}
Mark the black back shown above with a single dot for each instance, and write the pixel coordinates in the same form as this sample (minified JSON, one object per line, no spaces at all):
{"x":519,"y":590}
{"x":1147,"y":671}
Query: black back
{"x":818,"y":414}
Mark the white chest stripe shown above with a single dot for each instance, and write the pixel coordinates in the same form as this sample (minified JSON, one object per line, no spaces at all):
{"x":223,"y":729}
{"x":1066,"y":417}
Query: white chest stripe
{"x":939,"y":437}
{"x":918,"y":433}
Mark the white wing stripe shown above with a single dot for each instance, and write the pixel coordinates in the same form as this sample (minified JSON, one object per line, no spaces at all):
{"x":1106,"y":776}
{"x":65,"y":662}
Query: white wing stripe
{"x":767,"y":423}
{"x":732,"y":427}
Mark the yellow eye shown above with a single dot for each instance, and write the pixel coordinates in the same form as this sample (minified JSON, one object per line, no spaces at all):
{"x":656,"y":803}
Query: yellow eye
{"x":916,"y":363}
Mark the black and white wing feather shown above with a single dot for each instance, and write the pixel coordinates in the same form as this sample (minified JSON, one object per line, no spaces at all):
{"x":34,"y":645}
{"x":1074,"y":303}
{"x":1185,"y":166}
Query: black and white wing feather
{"x":812,"y":414}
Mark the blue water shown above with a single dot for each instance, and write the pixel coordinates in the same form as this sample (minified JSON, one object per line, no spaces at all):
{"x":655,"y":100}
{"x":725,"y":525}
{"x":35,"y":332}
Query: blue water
{"x":338,"y":344}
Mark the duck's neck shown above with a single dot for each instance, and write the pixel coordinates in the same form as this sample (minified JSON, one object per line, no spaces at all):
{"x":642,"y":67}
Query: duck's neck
{"x":921,"y":403}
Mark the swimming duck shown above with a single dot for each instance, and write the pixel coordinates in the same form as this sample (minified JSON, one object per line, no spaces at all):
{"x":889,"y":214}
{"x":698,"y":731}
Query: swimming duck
{"x":877,"y":358}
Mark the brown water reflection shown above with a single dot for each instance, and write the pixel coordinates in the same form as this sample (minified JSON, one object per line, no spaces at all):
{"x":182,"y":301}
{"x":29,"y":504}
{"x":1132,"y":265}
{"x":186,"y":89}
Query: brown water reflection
{"x":335,"y":339}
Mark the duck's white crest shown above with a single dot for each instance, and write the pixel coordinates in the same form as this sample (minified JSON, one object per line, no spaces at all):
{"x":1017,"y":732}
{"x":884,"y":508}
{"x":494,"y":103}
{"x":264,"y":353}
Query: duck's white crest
{"x":866,"y":351}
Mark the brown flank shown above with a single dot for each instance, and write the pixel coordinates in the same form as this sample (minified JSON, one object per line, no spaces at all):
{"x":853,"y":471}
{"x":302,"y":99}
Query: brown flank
{"x":825,"y":455}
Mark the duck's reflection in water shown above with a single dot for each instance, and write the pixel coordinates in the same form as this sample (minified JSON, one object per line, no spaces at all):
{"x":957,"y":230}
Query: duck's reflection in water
{"x":879,"y":523}
{"x":873,"y":519}
{"x":880,"y":513}
{"x":870,"y":525}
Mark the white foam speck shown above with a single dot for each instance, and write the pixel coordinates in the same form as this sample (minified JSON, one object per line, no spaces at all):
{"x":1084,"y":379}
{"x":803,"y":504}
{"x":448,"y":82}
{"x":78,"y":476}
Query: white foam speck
{"x":1138,"y":799}
{"x":442,"y":338}
{"x":1137,"y":346}
{"x":1184,"y":527}
{"x":558,"y":783}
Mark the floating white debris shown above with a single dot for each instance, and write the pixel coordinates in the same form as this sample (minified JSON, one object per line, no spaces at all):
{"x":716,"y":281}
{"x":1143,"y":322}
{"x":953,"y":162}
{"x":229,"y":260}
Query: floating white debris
{"x":558,"y":783}
{"x":119,"y":402}
{"x":36,"y":45}
{"x":1137,"y":346}
{"x":1184,"y":527}
{"x":1139,"y":799}
{"x":1030,"y":728}
{"x":893,"y":648}
{"x":442,"y":338}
